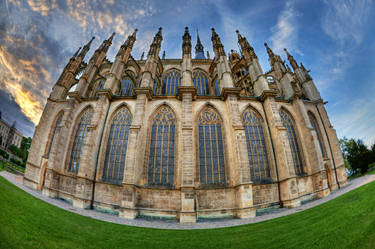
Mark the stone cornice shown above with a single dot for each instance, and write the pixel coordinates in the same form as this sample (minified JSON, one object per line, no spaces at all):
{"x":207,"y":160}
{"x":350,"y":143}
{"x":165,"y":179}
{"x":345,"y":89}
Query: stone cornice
{"x":186,"y":89}
{"x":230,"y":91}
{"x":144,"y":90}
{"x":268,"y":93}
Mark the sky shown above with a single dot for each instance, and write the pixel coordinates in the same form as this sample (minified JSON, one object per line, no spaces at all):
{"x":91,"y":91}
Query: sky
{"x":333,"y":39}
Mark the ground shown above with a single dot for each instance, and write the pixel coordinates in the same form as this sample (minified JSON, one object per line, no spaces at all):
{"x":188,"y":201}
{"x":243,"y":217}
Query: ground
{"x":345,"y":222}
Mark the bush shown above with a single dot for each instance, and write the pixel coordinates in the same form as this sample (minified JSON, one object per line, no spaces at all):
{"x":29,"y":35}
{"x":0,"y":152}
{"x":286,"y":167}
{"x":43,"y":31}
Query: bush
{"x":4,"y":154}
{"x":18,"y":162}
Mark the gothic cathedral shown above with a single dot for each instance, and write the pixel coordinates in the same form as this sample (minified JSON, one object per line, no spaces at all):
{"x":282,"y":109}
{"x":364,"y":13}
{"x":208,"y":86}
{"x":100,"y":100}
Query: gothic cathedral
{"x":185,"y":138}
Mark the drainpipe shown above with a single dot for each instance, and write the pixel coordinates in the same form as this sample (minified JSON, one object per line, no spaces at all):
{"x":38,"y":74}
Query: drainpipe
{"x":329,"y":144}
{"x":274,"y":156}
{"x":97,"y":157}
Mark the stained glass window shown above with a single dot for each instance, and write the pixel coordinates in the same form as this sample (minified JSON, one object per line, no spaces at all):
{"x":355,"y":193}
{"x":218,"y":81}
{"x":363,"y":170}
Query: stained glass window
{"x":100,"y":85}
{"x":79,"y":140}
{"x":293,"y":141}
{"x":171,"y":81}
{"x":114,"y":162}
{"x":201,"y":82}
{"x":58,"y":122}
{"x":256,"y":147}
{"x":126,"y":87}
{"x":211,"y":149}
{"x":217,"y":89}
{"x":162,"y":148}
{"x":315,"y":125}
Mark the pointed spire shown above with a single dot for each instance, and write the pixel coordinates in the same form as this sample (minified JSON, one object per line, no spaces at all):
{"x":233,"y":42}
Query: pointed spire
{"x":76,"y":53}
{"x":106,"y":43}
{"x":163,"y":57}
{"x":269,"y":51}
{"x":86,"y":48}
{"x":142,"y":56}
{"x":292,"y":61}
{"x":208,"y":55}
{"x":199,"y":49}
{"x":156,"y":44}
{"x":247,"y":49}
{"x":217,"y":45}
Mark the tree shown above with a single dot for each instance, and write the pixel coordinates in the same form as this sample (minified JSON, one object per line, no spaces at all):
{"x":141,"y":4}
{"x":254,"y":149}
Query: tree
{"x":356,"y":154}
{"x":25,"y":146}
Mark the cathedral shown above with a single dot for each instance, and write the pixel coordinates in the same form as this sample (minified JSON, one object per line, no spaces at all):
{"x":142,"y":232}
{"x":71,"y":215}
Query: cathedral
{"x":184,"y":138}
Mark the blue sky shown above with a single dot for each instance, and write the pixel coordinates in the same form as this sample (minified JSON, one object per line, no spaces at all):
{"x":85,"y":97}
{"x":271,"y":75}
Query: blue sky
{"x":334,"y":39}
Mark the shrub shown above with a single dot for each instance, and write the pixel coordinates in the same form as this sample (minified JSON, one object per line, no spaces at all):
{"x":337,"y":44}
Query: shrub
{"x":4,"y":154}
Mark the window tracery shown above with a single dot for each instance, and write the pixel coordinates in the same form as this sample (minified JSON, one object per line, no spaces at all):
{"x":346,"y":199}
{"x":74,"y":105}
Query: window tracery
{"x":211,"y":148}
{"x":171,"y":81}
{"x":162,"y":148}
{"x":79,"y":139}
{"x":114,"y":162}
{"x":293,"y":141}
{"x":315,"y":125}
{"x":256,"y":147}
{"x":201,"y":82}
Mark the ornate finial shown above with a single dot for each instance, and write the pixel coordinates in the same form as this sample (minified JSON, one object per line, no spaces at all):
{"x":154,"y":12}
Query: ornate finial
{"x":86,"y":48}
{"x":292,"y":61}
{"x":163,"y":55}
{"x":76,"y":53}
{"x":238,"y":34}
{"x":208,"y":55}
{"x":142,"y":56}
{"x":269,"y":51}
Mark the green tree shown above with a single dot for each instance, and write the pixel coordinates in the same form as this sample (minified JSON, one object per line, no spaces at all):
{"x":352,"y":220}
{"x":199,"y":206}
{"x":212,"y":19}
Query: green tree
{"x":356,"y":155}
{"x":25,"y":146}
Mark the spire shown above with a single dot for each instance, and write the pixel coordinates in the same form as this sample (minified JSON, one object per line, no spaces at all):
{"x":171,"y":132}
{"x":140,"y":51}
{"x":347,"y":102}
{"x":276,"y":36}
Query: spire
{"x":142,"y":56}
{"x":208,"y":55}
{"x":217,"y":45}
{"x":156,"y":44}
{"x":199,"y":50}
{"x":247,"y":49}
{"x":76,"y":53}
{"x":269,"y":51}
{"x":163,"y":57}
{"x":292,"y":61}
{"x":106,"y":43}
{"x":86,"y":48}
{"x":186,"y":42}
{"x":127,"y":43}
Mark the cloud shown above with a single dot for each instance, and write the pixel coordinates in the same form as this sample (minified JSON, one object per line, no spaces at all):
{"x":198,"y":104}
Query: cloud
{"x":285,"y":32}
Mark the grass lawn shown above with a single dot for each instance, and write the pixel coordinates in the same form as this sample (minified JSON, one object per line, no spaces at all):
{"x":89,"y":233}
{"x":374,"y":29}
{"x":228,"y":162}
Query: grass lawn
{"x":346,"y":222}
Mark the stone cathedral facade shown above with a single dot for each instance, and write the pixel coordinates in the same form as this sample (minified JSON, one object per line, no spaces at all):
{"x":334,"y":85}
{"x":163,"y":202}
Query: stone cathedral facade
{"x":185,"y":138}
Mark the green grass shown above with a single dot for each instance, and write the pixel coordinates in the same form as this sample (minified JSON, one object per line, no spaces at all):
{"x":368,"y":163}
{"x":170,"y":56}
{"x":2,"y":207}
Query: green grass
{"x":346,"y":222}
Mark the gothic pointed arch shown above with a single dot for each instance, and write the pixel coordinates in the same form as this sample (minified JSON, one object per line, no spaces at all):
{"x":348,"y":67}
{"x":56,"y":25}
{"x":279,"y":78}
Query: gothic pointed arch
{"x":211,"y":158}
{"x":126,"y":86}
{"x":200,"y":80}
{"x":115,"y":154}
{"x":289,"y":124}
{"x":56,"y":123}
{"x":256,"y":146}
{"x":171,"y":81}
{"x":84,"y":121}
{"x":315,"y":125}
{"x":161,"y":153}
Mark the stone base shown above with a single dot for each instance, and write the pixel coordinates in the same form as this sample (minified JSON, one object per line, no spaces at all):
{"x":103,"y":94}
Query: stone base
{"x":81,"y":203}
{"x":30,"y":184}
{"x":292,"y":203}
{"x":188,"y":217}
{"x":128,"y":213}
{"x":323,"y":193}
{"x":246,"y":213}
{"x":49,"y":193}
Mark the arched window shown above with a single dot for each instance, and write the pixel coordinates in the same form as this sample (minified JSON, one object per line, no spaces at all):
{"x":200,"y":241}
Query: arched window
{"x":126,"y":87}
{"x":217,"y":89}
{"x":100,"y":86}
{"x":293,"y":141}
{"x":162,"y":148}
{"x":211,"y":148}
{"x":171,"y":81}
{"x":256,"y":147}
{"x":315,"y":125}
{"x":114,"y":162}
{"x":79,"y":140}
{"x":52,"y":137}
{"x":201,"y":82}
